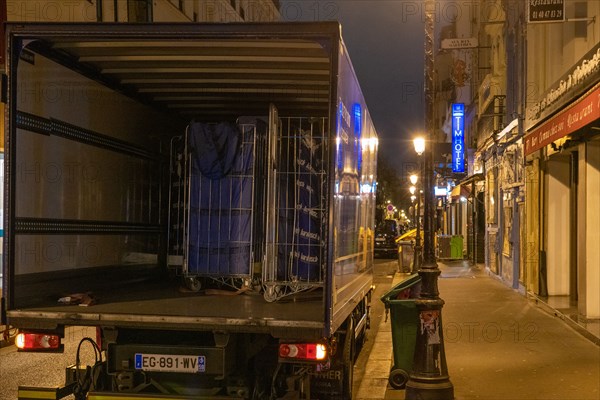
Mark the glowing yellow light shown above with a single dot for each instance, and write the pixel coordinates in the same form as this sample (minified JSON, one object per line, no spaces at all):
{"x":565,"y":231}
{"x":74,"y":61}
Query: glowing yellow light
{"x":321,"y":351}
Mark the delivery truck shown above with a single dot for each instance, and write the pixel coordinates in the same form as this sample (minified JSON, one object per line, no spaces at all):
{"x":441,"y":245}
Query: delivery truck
{"x":201,"y":194}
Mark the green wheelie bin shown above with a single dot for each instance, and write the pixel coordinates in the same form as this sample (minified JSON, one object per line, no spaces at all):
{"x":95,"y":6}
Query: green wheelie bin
{"x":400,"y":303}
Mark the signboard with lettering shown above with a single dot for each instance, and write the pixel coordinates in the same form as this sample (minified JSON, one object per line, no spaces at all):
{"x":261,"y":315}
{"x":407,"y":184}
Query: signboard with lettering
{"x":546,"y":11}
{"x":581,"y":76}
{"x":458,"y":137}
{"x":586,"y":111}
{"x":460,"y":43}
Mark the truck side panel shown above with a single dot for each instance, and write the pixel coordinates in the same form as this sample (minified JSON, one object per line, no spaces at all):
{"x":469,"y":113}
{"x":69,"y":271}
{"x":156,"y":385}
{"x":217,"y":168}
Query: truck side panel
{"x":353,"y":193}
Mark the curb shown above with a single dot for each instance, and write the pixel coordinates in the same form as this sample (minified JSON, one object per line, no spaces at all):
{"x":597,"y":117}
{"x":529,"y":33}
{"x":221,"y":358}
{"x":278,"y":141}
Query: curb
{"x":380,"y":360}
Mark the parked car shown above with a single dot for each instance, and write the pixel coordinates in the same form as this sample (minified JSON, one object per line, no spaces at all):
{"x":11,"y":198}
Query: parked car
{"x":386,"y":233}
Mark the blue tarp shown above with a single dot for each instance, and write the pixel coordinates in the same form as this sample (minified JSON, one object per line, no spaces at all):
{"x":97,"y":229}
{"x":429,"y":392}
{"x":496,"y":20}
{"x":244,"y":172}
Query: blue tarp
{"x":222,"y":205}
{"x":214,"y":148}
{"x":220,"y":200}
{"x":300,"y":209}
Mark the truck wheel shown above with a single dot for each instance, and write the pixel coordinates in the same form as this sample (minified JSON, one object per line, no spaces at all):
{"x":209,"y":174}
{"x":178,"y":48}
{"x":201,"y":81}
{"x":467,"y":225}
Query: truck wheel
{"x":348,"y":359}
{"x":398,"y":378}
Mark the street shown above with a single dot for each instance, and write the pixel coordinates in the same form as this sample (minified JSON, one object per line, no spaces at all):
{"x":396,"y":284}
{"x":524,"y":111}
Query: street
{"x":203,"y":184}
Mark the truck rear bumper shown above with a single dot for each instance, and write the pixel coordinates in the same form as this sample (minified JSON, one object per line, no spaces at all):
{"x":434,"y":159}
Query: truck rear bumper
{"x":55,"y":393}
{"x":37,"y":393}
{"x":123,"y":396}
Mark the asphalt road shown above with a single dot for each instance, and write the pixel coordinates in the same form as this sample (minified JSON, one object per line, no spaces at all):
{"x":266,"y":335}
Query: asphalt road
{"x":36,"y":369}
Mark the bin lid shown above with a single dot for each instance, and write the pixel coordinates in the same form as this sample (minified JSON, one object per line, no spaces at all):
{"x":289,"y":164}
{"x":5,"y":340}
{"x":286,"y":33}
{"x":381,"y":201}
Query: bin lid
{"x":392,"y":294}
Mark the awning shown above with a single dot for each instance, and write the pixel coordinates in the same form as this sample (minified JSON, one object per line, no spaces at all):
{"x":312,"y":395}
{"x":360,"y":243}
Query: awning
{"x":463,"y":189}
{"x":567,"y":121}
{"x":471,"y":179}
{"x":460,"y":191}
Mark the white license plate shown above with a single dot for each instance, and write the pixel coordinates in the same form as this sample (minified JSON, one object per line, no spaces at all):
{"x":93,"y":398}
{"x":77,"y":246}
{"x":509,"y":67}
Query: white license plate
{"x":170,"y":363}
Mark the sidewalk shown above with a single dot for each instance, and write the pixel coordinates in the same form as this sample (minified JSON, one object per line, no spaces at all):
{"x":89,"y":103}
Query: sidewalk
{"x":499,"y":345}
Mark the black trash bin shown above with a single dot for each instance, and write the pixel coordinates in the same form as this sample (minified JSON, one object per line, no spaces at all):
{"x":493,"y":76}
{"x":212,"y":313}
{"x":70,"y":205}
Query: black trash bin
{"x":400,"y":302}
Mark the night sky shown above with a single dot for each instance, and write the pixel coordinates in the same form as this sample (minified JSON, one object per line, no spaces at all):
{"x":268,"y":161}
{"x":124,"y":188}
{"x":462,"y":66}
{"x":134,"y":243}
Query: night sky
{"x":385,"y":42}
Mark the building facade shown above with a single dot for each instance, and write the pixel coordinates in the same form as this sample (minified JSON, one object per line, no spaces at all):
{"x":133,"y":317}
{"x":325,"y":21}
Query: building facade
{"x":532,"y":181}
{"x":499,"y":136}
{"x":562,"y":150}
{"x":142,"y":10}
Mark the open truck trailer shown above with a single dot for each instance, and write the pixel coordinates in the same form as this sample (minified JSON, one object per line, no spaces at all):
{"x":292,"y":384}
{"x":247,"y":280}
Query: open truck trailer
{"x":202,"y":194}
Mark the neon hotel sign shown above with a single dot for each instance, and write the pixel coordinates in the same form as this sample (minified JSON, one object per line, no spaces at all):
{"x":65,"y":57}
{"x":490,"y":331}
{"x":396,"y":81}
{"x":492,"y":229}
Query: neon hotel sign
{"x":458,"y":137}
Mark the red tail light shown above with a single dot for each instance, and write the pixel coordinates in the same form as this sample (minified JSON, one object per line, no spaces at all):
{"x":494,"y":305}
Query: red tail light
{"x":38,"y":342}
{"x":303,"y":351}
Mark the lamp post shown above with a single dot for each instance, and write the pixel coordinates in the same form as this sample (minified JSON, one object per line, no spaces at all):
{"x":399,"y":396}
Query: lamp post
{"x":429,"y":378}
{"x":417,"y":254}
{"x":413,"y":208}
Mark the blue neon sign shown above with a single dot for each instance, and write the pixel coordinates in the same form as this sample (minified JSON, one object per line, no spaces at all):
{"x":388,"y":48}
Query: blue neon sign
{"x":358,"y":133}
{"x":458,"y":137}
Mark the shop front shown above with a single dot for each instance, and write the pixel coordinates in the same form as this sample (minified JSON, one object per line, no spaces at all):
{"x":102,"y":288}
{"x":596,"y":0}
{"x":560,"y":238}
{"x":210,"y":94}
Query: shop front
{"x":562,"y":261}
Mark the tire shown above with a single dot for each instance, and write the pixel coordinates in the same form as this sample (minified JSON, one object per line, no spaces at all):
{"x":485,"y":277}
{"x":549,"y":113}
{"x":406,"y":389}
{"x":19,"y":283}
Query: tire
{"x":348,"y":359}
{"x":398,"y":378}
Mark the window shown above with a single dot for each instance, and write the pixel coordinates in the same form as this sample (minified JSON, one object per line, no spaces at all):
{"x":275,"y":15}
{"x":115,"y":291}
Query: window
{"x":139,"y":10}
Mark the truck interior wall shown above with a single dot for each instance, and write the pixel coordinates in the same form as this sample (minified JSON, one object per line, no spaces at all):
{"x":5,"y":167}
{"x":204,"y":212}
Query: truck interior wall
{"x":48,"y":89}
{"x":109,"y":180}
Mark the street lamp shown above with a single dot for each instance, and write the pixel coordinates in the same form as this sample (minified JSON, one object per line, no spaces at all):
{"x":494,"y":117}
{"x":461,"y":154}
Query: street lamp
{"x":429,"y":377}
{"x":417,"y":253}
{"x":419,"y":143}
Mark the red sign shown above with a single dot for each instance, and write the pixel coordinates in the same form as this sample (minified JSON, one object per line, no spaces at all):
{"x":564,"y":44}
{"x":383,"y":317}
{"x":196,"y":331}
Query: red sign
{"x":584,"y":112}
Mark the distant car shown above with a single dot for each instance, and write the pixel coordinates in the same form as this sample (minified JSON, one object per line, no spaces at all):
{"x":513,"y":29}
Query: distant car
{"x":386,"y":233}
